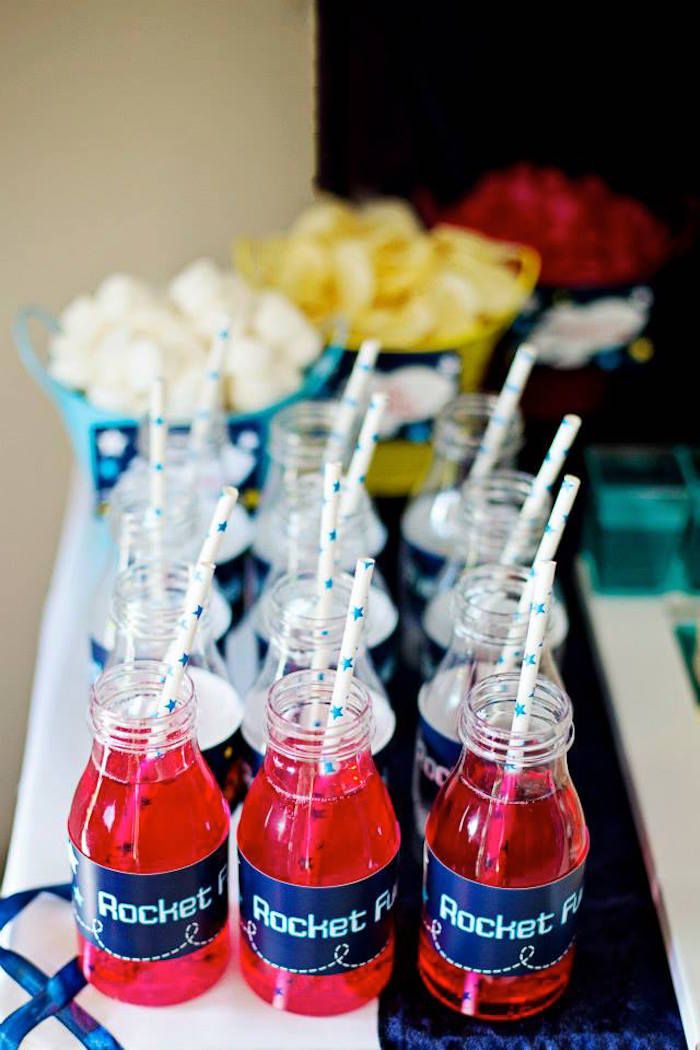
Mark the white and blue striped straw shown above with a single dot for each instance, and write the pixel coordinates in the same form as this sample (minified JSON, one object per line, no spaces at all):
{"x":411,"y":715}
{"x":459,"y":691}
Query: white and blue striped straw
{"x":352,"y":635}
{"x":218,"y":524}
{"x":178,"y":656}
{"x":543,"y":582}
{"x":158,"y":434}
{"x":548,"y":473}
{"x":503,"y":412}
{"x":210,"y":395}
{"x":367,"y":441}
{"x":353,"y":397}
{"x":549,"y":545}
{"x":327,"y":548}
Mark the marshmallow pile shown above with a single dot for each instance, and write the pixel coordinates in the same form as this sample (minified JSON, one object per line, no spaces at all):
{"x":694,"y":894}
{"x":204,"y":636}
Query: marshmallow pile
{"x":114,"y":343}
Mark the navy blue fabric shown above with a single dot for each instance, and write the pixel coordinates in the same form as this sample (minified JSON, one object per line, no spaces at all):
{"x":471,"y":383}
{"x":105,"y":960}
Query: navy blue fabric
{"x":620,"y":995}
{"x":49,"y":996}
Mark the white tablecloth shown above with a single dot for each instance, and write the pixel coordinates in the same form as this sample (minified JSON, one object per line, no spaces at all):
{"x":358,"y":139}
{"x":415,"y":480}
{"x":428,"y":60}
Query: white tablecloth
{"x":227,"y":1016}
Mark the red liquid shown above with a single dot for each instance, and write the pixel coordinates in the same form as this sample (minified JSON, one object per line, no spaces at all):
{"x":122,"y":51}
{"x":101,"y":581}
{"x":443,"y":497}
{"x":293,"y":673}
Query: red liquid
{"x":339,"y":831}
{"x":544,"y":837}
{"x":146,"y":815}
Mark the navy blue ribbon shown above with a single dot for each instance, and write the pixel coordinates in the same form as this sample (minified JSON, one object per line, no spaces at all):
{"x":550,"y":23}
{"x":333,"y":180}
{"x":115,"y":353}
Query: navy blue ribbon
{"x":50,"y":996}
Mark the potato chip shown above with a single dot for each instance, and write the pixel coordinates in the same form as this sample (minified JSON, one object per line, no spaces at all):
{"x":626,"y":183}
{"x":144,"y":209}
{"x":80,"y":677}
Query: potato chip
{"x":353,"y":275}
{"x":390,"y":216}
{"x":328,"y":218}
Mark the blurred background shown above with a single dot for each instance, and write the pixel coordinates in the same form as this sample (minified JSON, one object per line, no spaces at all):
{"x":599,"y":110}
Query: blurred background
{"x":141,"y":136}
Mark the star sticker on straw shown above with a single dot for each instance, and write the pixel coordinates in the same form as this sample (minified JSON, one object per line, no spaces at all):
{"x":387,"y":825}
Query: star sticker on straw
{"x":346,"y":663}
{"x":198,"y":611}
{"x":328,"y":584}
{"x":530,"y":659}
{"x":540,"y":609}
{"x":368,"y":564}
{"x":159,"y":421}
{"x":336,"y":486}
{"x":520,"y":710}
{"x":358,"y":612}
{"x":158,"y":467}
{"x":221,"y":527}
{"x":171,"y":705}
{"x":332,"y":535}
{"x":548,"y":529}
{"x":336,"y":712}
{"x":184,"y":659}
{"x":321,"y":677}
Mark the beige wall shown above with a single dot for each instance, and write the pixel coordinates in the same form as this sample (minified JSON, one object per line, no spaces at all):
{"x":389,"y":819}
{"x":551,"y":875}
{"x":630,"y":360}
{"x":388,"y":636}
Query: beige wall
{"x":134,"y":135}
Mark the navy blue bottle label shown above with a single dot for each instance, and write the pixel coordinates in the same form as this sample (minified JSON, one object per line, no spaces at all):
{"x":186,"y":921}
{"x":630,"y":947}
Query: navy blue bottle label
{"x":316,"y":929}
{"x":436,"y":757}
{"x":229,"y":576}
{"x":148,"y":918}
{"x":99,"y":656}
{"x":499,"y":931}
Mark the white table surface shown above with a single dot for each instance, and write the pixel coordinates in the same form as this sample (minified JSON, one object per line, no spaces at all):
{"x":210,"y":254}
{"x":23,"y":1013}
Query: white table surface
{"x":656,"y":720}
{"x":56,"y":750}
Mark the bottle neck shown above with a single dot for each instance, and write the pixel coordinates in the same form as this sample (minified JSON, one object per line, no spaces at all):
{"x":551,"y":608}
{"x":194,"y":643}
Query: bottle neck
{"x":489,"y":613}
{"x":460,"y":427}
{"x":138,"y":533}
{"x":147,"y":607}
{"x":511,"y":765}
{"x":488,"y":515}
{"x":315,"y":747}
{"x":137,"y":735}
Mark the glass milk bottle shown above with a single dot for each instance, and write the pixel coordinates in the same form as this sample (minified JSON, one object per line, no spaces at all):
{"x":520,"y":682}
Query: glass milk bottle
{"x":207,"y":469}
{"x":137,"y":536}
{"x":488,"y":628}
{"x":486,"y":517}
{"x":296,"y":637}
{"x":297,"y":551}
{"x":427,"y":527}
{"x":148,"y":845}
{"x":149,"y":599}
{"x":505,"y":848}
{"x":299,"y":444}
{"x":318,"y":844}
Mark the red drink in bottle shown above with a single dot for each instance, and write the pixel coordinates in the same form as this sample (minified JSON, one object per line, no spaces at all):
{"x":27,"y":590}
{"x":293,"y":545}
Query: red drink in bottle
{"x":148,"y":831}
{"x":318,"y":842}
{"x":504,"y":855}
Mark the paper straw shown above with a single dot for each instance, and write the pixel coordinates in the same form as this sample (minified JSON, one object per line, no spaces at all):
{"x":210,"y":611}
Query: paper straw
{"x":546,"y":476}
{"x":178,"y":655}
{"x":362,"y":456}
{"x":354,"y":623}
{"x":218,"y":524}
{"x":534,"y":644}
{"x":210,"y":396}
{"x":327,"y":546}
{"x":158,"y":433}
{"x":504,"y":410}
{"x":549,"y":545}
{"x":353,"y":396}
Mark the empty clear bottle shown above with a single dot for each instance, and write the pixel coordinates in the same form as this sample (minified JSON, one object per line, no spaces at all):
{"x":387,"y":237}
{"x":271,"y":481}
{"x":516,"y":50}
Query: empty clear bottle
{"x":428,"y":524}
{"x":485,"y":520}
{"x":299,"y":639}
{"x":489,"y":624}
{"x":298,"y":446}
{"x":148,"y":602}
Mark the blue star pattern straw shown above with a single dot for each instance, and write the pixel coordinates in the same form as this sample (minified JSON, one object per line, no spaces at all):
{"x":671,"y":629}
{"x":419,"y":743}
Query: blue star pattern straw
{"x":158,"y":434}
{"x":352,"y":634}
{"x":362,"y":456}
{"x":178,"y":655}
{"x":210,"y":396}
{"x":327,"y":548}
{"x":353,"y":397}
{"x":504,"y":410}
{"x":549,"y":545}
{"x":218,"y":524}
{"x":534,"y":643}
{"x":548,"y":473}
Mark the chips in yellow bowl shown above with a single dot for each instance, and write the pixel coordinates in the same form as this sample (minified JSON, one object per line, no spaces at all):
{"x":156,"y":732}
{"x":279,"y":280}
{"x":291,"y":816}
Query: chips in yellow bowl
{"x":375,"y":267}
